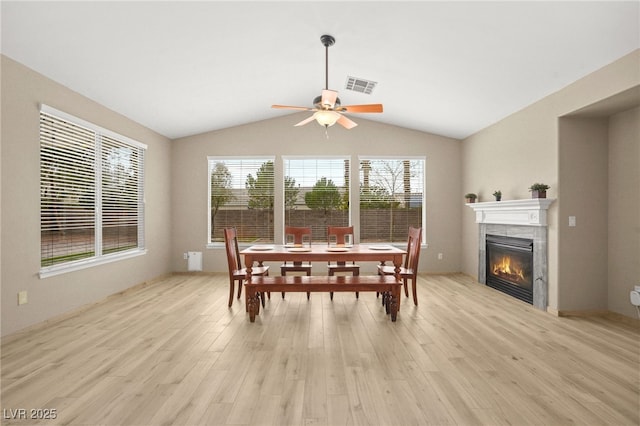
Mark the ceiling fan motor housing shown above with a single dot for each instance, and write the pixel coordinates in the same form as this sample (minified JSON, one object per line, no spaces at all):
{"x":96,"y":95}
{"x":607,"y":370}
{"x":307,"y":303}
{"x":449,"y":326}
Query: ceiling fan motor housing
{"x":317,"y":102}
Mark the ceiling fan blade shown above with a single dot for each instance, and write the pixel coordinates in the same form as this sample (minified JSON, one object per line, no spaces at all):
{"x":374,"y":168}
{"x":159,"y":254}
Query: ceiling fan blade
{"x":299,"y":108}
{"x":305,"y":121}
{"x":329,"y":98}
{"x":361,"y":108}
{"x":346,"y":123}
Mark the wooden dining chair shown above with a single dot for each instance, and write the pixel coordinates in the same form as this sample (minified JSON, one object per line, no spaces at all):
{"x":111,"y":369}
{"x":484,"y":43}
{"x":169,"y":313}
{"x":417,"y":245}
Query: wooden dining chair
{"x":410,"y":269}
{"x":236,"y":271}
{"x":341,"y":236}
{"x":298,"y":236}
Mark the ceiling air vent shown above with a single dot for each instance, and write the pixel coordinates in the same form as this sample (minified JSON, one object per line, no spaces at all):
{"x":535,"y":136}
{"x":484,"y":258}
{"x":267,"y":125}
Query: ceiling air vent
{"x":360,"y":85}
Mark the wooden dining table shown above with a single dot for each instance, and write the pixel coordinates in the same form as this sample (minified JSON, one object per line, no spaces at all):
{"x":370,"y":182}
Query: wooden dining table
{"x":323,"y":253}
{"x":388,"y":286}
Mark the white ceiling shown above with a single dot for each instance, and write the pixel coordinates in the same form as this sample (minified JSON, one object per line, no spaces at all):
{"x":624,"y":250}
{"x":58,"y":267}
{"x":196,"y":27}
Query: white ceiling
{"x":449,"y":68}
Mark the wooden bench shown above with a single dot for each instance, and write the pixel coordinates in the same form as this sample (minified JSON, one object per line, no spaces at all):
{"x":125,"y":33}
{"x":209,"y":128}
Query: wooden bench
{"x":387,"y":285}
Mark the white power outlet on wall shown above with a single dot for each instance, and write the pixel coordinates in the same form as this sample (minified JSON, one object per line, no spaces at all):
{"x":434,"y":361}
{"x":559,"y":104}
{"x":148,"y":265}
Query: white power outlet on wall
{"x":22,"y":297}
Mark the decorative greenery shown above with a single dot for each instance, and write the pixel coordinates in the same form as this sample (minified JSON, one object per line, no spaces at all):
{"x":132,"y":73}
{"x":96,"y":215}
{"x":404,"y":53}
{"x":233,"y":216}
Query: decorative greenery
{"x":539,"y":187}
{"x":497,"y":193}
{"x":470,"y":196}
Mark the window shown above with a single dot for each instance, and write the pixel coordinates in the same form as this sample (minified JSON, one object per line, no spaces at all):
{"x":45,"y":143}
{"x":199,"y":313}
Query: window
{"x":316,"y":193}
{"x":241,"y":195}
{"x":91,"y":193}
{"x":391,"y":198}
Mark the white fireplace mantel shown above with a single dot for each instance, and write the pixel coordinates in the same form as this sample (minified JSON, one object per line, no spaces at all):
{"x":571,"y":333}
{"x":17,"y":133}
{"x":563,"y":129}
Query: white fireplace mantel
{"x":530,"y":212}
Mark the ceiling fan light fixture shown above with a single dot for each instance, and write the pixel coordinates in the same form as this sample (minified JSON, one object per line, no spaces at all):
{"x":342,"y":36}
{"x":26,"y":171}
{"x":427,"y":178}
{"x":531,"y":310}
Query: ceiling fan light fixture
{"x":326,"y":118}
{"x":317,"y":102}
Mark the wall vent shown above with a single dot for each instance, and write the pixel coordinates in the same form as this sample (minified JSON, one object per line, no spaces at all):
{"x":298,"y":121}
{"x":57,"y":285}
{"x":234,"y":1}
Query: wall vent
{"x":360,"y":85}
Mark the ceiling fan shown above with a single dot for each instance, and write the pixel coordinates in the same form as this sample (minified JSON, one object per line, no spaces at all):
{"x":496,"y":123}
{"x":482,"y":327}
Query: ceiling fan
{"x":327,"y":108}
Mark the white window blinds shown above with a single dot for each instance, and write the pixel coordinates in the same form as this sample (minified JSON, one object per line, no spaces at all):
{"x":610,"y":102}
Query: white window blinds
{"x":391,"y":198}
{"x":241,"y":195}
{"x":91,"y":190}
{"x":316,"y":193}
{"x":67,"y":191}
{"x":122,"y":188}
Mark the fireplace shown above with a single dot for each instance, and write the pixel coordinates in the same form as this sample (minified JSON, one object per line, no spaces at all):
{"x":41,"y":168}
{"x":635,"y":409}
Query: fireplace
{"x":523,"y":222}
{"x":509,"y":267}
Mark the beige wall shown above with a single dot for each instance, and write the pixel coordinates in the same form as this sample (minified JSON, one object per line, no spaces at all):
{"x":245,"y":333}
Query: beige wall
{"x":583,"y":191}
{"x":278,"y":137}
{"x":624,"y":210}
{"x":525,"y":148}
{"x":599,"y":153}
{"x":23,"y":90}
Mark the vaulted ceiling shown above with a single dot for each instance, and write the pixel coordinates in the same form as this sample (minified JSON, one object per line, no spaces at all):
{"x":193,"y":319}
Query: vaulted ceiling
{"x":449,"y":68}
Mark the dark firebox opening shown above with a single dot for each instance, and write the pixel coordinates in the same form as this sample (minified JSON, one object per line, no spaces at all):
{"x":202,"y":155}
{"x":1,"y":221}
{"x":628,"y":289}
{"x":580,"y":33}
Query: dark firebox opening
{"x":510,"y":266}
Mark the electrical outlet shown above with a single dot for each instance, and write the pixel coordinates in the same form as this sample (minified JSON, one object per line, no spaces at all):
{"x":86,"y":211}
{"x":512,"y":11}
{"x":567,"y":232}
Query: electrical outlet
{"x":22,"y":297}
{"x":186,"y":255}
{"x":440,"y":256}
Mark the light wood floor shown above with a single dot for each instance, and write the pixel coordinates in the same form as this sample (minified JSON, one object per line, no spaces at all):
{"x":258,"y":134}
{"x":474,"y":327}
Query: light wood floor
{"x":173,"y":353}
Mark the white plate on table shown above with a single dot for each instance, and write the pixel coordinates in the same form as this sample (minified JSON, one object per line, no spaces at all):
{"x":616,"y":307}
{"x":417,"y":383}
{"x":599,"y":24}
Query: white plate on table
{"x":298,"y":249}
{"x":380,"y":247}
{"x":261,"y":248}
{"x":338,"y":249}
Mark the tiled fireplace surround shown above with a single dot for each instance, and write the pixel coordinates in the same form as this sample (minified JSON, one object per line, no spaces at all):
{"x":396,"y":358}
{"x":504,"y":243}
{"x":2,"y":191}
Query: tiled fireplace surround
{"x":522,"y":219}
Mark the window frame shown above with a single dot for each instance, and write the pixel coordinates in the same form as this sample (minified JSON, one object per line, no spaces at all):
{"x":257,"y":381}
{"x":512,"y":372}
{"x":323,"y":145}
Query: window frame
{"x":211,"y":160}
{"x":342,"y":158}
{"x":422,"y":158}
{"x":98,"y":258}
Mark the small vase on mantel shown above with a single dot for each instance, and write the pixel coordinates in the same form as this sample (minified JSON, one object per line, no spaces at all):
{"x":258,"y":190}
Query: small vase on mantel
{"x":498,"y":195}
{"x":539,"y":190}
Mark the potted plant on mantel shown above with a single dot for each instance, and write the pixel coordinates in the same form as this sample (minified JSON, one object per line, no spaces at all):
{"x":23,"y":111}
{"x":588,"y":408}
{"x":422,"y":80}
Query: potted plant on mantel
{"x":498,"y":195}
{"x":470,"y":197}
{"x":539,"y":190}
